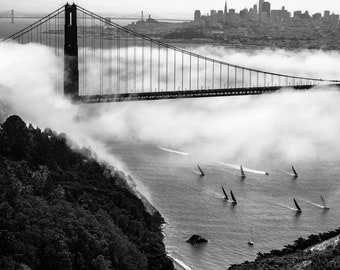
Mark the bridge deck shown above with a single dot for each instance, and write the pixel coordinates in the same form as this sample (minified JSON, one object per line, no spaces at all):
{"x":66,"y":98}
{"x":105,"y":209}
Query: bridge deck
{"x":187,"y":94}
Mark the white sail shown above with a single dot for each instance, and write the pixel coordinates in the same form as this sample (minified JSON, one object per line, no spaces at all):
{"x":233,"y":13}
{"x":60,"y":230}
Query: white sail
{"x":242,"y":172}
{"x":294,"y":171}
{"x":250,"y":242}
{"x":324,"y":203}
{"x":298,"y":209}
{"x":225,"y":194}
{"x":233,"y":197}
{"x":202,"y":173}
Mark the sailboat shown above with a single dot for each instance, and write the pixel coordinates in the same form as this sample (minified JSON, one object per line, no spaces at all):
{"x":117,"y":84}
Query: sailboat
{"x":250,"y":242}
{"x":295,"y":173}
{"x":202,"y":172}
{"x":324,"y":203}
{"x":225,"y":194}
{"x":233,"y":197}
{"x":242,"y":172}
{"x":298,"y":209}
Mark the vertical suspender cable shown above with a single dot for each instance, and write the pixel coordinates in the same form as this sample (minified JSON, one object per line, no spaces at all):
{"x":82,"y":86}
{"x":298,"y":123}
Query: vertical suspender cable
{"x":151,"y":59}
{"x":135,"y":65}
{"x":94,"y":83}
{"x":166,"y":64}
{"x":118,"y":61}
{"x":110,"y":64}
{"x":174,"y":70}
{"x":205,"y":74}
{"x":235,"y":77}
{"x":213,"y":75}
{"x":159,"y":67}
{"x":182,"y":71}
{"x":143,"y":65}
{"x":101,"y":56}
{"x":198,"y":73}
{"x":220,"y":75}
{"x":126,"y":63}
{"x":228,"y":77}
{"x":190,"y":64}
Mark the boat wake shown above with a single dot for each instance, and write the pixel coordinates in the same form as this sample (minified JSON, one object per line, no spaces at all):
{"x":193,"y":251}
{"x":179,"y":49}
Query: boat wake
{"x":173,"y":151}
{"x":216,"y":195}
{"x":195,"y":172}
{"x":288,"y":207}
{"x":237,"y":167}
{"x":315,"y":204}
{"x":180,"y":263}
{"x":288,"y":173}
{"x":322,"y":206}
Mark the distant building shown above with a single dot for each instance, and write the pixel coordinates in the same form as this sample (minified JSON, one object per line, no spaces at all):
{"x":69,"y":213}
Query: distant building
{"x":253,"y":12}
{"x":225,"y":12}
{"x":297,"y":14}
{"x":264,"y":16}
{"x":244,"y":14}
{"x":260,"y":9}
{"x":280,"y":14}
{"x":197,"y":16}
{"x":220,"y":16}
{"x":151,"y":20}
{"x":334,"y":17}
{"x":305,"y":15}
{"x":213,"y":16}
{"x":326,"y":14}
{"x":317,"y":16}
{"x":266,"y":8}
{"x":225,"y":8}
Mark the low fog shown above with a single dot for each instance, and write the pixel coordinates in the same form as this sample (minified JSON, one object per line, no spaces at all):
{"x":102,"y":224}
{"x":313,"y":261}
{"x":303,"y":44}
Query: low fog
{"x":286,"y":126}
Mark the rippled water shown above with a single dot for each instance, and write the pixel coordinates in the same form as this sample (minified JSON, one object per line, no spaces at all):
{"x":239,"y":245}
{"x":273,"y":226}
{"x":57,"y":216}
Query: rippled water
{"x":192,"y":204}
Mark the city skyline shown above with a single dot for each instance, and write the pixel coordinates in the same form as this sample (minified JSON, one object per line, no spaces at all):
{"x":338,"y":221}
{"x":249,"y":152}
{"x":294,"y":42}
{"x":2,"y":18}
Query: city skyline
{"x":167,"y":8}
{"x":262,"y":10}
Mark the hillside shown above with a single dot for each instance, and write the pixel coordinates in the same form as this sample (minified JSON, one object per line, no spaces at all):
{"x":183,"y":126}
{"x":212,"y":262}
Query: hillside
{"x":61,"y":209}
{"x":318,"y":252}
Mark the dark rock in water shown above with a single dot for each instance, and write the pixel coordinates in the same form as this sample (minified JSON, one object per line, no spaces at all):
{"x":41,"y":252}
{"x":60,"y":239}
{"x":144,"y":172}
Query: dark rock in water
{"x":196,"y":239}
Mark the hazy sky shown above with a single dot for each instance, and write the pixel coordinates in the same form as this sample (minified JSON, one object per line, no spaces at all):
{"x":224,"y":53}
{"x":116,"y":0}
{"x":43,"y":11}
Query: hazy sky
{"x":165,"y":8}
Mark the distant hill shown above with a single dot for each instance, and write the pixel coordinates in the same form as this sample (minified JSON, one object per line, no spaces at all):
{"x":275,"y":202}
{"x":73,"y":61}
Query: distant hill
{"x":61,"y":209}
{"x":317,"y":252}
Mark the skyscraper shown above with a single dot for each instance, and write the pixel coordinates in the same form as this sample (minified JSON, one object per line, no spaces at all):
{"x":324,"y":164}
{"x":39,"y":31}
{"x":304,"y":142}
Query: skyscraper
{"x":266,"y":8}
{"x":197,"y":15}
{"x":260,"y":8}
{"x":225,"y":8}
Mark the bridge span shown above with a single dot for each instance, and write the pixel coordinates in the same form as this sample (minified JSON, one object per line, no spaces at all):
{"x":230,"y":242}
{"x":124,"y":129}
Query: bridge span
{"x":106,"y":62}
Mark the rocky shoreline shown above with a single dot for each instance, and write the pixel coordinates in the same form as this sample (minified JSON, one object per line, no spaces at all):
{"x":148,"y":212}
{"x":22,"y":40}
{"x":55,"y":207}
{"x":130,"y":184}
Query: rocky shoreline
{"x":320,"y":251}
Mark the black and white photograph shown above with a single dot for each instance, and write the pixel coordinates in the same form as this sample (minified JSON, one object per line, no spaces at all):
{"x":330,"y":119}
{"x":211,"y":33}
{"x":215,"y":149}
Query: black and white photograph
{"x":169,"y":135}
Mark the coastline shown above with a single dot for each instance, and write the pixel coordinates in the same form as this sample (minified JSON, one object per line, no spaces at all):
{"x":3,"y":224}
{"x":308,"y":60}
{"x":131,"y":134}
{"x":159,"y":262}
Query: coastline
{"x":178,"y":264}
{"x":62,"y":194}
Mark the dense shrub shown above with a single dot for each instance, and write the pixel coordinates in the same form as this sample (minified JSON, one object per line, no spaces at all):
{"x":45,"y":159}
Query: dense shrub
{"x":60,"y":209}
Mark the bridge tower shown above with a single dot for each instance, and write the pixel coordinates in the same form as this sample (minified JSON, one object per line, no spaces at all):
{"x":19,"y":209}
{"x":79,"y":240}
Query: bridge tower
{"x":71,"y":72}
{"x":12,"y":16}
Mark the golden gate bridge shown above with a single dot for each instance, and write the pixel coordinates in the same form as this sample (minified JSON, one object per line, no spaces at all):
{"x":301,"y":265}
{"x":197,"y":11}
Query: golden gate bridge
{"x":106,"y":62}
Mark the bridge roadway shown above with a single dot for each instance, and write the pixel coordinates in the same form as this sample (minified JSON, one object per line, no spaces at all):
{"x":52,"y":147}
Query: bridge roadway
{"x":188,"y":94}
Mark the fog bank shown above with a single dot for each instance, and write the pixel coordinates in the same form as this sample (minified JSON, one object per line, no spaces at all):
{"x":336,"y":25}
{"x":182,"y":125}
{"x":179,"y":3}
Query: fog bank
{"x":288,"y":126}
